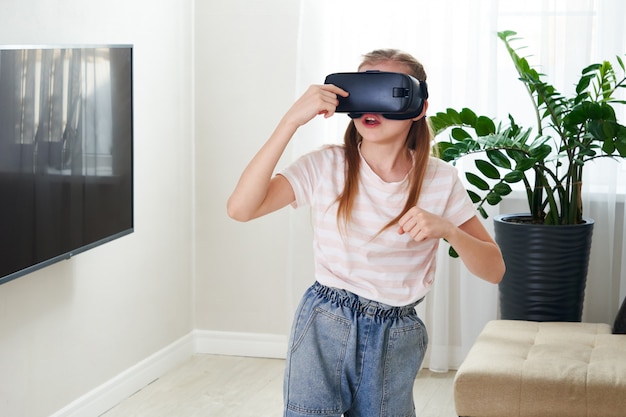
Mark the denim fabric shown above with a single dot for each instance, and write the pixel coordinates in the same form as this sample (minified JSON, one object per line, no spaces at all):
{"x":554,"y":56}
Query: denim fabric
{"x":353,"y":357}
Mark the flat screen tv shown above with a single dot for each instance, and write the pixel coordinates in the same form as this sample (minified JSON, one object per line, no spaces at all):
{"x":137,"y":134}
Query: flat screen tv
{"x":66,"y":152}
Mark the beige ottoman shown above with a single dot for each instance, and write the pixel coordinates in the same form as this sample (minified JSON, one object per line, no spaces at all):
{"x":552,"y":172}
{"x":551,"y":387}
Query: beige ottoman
{"x":531,"y":369}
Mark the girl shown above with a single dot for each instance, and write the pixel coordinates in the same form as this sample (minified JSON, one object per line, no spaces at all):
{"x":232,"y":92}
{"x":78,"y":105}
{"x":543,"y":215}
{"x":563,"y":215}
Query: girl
{"x":381,"y":204}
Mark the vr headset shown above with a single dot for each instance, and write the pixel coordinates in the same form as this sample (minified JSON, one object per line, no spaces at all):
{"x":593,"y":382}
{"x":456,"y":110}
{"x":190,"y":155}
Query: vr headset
{"x":395,"y":95}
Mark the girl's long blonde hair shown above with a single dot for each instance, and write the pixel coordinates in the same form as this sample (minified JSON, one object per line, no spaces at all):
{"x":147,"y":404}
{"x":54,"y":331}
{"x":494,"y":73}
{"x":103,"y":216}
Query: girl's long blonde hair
{"x":418,"y":141}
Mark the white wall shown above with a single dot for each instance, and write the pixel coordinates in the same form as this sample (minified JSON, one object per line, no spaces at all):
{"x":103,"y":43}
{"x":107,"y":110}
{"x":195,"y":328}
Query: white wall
{"x":72,"y":326}
{"x":245,"y":80}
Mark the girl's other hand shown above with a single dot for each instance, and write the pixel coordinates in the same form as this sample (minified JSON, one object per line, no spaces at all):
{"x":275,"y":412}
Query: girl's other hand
{"x":422,"y":225}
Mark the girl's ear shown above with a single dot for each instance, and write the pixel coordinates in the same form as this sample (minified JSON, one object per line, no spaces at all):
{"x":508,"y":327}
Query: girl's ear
{"x":423,"y":113}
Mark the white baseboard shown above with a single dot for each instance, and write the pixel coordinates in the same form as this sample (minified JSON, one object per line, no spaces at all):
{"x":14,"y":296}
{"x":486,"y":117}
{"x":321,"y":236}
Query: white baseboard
{"x":122,"y":386}
{"x":241,"y":344}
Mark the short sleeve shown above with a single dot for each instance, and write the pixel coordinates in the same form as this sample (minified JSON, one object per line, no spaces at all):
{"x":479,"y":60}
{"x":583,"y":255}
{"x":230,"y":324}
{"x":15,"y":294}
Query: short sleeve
{"x":460,"y":207}
{"x":310,"y":172}
{"x":443,"y":193}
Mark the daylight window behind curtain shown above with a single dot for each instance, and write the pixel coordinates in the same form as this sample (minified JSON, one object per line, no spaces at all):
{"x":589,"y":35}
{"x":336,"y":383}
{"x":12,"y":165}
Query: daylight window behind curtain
{"x":468,"y":67}
{"x":60,"y":119}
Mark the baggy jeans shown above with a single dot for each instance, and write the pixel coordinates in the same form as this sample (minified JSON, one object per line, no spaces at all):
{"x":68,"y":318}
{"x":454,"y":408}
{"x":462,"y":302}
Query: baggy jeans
{"x":352,"y":356}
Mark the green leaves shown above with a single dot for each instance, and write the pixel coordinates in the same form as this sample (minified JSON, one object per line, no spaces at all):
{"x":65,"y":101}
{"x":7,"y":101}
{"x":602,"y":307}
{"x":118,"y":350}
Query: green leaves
{"x":487,"y":169}
{"x":443,"y":120}
{"x":548,"y":159}
{"x":502,"y":154}
{"x":477,"y":181}
{"x":484,"y":126}
{"x":460,"y":134}
{"x":498,"y":158}
{"x":514,"y":176}
{"x":494,"y":193}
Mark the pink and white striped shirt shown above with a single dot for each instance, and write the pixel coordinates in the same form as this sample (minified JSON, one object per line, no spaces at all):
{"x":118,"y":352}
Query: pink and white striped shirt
{"x":389,"y":267}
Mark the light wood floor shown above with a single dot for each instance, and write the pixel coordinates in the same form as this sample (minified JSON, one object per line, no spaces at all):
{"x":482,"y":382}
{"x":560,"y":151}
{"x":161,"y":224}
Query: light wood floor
{"x":229,"y":386}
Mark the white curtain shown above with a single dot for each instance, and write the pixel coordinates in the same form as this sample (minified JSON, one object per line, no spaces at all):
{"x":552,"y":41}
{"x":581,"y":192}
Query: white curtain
{"x":467,"y":66}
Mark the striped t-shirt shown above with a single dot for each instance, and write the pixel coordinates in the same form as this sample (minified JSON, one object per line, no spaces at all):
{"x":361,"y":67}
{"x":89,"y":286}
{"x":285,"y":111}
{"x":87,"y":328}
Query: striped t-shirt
{"x":388,"y":267}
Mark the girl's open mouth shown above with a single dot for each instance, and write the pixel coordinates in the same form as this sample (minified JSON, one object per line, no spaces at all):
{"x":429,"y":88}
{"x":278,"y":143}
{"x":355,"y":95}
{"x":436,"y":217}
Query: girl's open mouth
{"x":371,"y":120}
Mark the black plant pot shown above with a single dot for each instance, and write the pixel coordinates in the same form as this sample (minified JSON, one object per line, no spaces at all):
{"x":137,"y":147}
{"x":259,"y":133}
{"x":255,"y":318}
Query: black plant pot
{"x":546,"y":269}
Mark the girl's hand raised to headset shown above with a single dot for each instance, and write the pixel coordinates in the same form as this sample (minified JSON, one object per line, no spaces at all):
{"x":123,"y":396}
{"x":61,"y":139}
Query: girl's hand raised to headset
{"x":316,"y":100}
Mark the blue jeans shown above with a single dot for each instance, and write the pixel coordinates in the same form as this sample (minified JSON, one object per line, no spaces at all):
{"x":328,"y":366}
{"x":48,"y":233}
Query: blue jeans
{"x":353,"y":357}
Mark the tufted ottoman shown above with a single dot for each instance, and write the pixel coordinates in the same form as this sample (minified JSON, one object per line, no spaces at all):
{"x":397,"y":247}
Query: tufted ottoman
{"x":549,"y":369}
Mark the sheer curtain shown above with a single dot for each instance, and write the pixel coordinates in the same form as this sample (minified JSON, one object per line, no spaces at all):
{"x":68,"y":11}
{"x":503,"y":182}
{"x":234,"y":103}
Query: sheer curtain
{"x":468,"y":67}
{"x":58,"y":114}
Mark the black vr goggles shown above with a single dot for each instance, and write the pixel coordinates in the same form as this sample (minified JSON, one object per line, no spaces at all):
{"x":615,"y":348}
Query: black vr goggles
{"x":394,"y":95}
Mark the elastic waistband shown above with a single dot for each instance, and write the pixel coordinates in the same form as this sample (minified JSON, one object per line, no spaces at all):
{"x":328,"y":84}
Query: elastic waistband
{"x":362,"y":304}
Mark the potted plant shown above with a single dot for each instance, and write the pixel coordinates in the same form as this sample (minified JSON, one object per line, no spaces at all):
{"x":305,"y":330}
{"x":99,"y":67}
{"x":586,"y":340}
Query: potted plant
{"x":548,"y":159}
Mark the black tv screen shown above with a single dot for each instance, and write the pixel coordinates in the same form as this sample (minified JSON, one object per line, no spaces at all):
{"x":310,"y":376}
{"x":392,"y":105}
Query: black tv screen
{"x":66,"y":152}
